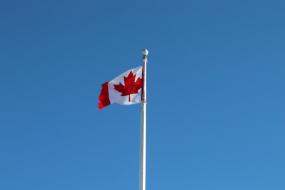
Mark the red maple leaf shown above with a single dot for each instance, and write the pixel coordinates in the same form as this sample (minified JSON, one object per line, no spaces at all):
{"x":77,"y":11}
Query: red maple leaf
{"x":131,"y":86}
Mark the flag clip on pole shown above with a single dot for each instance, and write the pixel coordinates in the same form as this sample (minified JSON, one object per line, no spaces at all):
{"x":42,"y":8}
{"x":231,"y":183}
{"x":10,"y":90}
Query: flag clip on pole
{"x":142,"y":175}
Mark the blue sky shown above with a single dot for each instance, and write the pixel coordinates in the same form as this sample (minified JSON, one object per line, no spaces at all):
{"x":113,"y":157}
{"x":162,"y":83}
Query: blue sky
{"x":215,"y":94}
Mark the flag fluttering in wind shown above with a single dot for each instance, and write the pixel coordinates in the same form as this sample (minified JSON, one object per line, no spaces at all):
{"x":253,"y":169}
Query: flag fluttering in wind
{"x":125,"y":89}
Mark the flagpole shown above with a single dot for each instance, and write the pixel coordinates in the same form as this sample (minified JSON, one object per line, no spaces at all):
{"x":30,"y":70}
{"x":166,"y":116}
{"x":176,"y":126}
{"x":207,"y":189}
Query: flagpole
{"x":142,"y":176}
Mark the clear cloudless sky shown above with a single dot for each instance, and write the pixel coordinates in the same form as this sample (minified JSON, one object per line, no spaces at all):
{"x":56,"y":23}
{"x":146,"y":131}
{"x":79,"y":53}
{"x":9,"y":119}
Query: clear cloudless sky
{"x":216,"y":97}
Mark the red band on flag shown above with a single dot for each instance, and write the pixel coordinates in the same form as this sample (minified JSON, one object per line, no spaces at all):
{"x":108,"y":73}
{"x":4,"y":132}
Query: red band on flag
{"x":104,"y":96}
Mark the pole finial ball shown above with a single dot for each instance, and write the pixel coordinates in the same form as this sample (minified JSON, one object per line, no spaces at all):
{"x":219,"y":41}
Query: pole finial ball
{"x":145,"y":52}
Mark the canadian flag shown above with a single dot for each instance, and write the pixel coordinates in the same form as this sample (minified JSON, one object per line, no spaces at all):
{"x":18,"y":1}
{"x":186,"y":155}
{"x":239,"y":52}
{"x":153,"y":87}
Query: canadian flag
{"x":125,"y":89}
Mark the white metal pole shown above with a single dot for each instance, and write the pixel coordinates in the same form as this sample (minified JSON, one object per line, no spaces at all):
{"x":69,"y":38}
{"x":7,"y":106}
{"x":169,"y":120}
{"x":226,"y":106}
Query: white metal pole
{"x":143,"y":126}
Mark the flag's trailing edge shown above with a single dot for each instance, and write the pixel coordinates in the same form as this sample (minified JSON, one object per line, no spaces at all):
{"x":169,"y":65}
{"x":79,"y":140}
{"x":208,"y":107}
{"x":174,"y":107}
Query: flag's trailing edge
{"x":104,"y":96}
{"x":125,"y":89}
